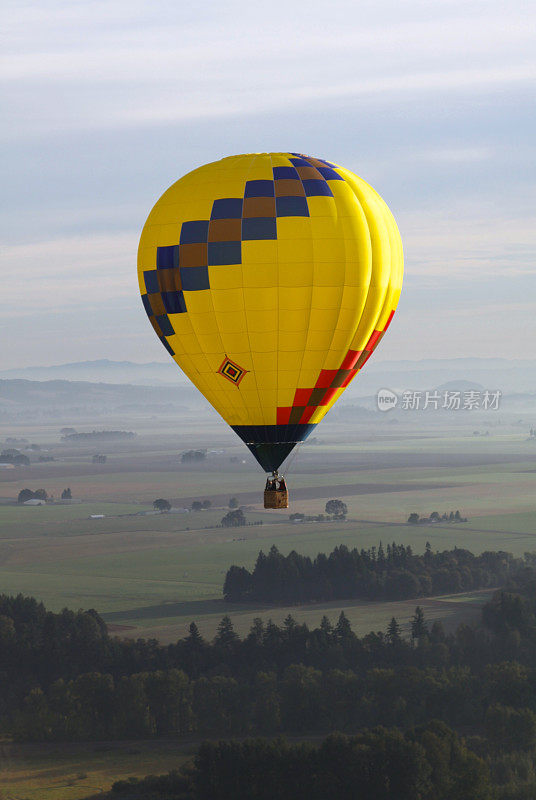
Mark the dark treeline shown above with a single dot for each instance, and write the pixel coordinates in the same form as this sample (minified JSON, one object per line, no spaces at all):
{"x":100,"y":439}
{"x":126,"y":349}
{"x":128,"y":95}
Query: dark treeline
{"x":92,"y":436}
{"x":65,"y":678}
{"x":427,"y":763}
{"x":393,"y":573}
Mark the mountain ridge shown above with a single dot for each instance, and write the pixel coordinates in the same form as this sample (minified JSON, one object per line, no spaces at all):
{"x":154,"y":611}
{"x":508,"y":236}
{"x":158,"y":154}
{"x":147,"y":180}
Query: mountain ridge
{"x":515,"y":375}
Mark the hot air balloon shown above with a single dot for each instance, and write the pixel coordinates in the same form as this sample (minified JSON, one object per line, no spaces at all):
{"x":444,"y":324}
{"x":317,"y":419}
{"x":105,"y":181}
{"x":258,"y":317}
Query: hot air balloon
{"x":270,"y":278}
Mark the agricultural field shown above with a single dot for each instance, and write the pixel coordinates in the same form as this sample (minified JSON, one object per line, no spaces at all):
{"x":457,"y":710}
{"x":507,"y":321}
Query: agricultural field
{"x":72,"y":771}
{"x":151,"y":574}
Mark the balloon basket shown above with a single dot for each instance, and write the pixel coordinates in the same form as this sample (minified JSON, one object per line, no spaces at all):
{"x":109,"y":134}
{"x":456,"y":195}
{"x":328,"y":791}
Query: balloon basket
{"x":276,"y":498}
{"x":276,"y":492}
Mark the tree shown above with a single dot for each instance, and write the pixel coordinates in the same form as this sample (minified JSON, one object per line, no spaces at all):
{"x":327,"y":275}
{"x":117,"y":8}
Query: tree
{"x":413,"y":519}
{"x":418,"y":625}
{"x":393,"y":632}
{"x":206,"y":504}
{"x":336,"y":508}
{"x":66,"y":494}
{"x":197,"y":505}
{"x":40,"y":494}
{"x":193,"y":455}
{"x":161,"y":505}
{"x":237,"y":584}
{"x":226,"y":635}
{"x":434,"y":516}
{"x":25,"y":494}
{"x":233,"y":502}
{"x":266,"y":710}
{"x":194,"y":651}
{"x":233,"y":519}
{"x":15,"y":457}
{"x":343,"y":628}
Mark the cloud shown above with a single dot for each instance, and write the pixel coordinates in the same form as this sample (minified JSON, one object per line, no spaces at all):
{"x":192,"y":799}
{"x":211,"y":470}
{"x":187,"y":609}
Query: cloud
{"x":139,"y":64}
{"x":454,"y":155}
{"x":76,"y":272}
{"x":106,"y":103}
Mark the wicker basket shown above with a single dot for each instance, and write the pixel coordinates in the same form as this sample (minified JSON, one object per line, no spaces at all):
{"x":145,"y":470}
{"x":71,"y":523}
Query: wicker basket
{"x":277,"y":498}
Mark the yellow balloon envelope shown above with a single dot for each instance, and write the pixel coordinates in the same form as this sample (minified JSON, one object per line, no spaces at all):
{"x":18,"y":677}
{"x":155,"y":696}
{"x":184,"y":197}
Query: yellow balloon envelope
{"x":270,"y":279}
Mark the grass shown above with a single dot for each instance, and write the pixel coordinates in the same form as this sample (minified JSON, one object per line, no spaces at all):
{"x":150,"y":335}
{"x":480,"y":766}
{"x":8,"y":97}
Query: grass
{"x":171,"y":622}
{"x":155,"y":573}
{"x":76,"y":771}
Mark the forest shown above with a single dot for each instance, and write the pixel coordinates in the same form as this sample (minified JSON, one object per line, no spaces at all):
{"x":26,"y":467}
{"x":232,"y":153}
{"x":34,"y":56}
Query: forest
{"x":65,"y":679}
{"x":393,"y":573}
{"x":429,"y":763}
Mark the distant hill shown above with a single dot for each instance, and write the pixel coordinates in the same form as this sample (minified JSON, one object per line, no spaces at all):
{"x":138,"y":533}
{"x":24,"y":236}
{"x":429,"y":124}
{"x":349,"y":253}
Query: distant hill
{"x":58,"y":399}
{"x":515,"y":375}
{"x":153,"y":373}
{"x":509,"y":376}
{"x":61,"y":400}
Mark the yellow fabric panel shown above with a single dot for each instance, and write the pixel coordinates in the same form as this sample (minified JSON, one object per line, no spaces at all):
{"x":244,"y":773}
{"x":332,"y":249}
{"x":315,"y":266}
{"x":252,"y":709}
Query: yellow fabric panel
{"x":381,"y":259}
{"x":311,"y":360}
{"x":211,"y":343}
{"x":258,"y":276}
{"x":322,"y":207}
{"x":260,"y":169}
{"x":293,"y":274}
{"x":289,"y":360}
{"x":232,"y":322}
{"x":225,"y":301}
{"x":265,"y":299}
{"x":228,"y":278}
{"x":289,"y":306}
{"x":293,"y":228}
{"x":234,"y":342}
{"x":287,"y":379}
{"x":205,"y":323}
{"x":294,"y":298}
{"x":295,"y":251}
{"x":200,"y":304}
{"x":293,"y":321}
{"x":264,"y":252}
{"x":266,"y":363}
{"x":189,"y":343}
{"x":197,"y":362}
{"x":333,"y":274}
{"x":263,"y":322}
{"x":245,"y":359}
{"x":326,"y":251}
{"x":146,"y":258}
{"x":285,"y":397}
{"x":262,"y":342}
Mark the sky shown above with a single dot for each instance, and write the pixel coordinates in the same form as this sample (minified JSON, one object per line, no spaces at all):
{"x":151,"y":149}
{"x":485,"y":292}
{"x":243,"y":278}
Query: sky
{"x":105,"y":104}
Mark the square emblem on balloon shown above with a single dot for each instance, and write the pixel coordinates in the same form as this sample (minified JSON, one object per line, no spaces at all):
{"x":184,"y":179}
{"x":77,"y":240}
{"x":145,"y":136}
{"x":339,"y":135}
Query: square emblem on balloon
{"x":231,"y":371}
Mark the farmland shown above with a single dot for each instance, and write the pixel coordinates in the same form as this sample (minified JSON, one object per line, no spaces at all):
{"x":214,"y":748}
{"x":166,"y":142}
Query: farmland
{"x":72,"y":771}
{"x":150,"y":574}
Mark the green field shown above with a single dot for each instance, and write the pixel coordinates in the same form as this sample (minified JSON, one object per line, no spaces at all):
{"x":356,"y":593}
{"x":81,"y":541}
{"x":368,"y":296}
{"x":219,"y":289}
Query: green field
{"x":151,"y":574}
{"x":74,"y":771}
